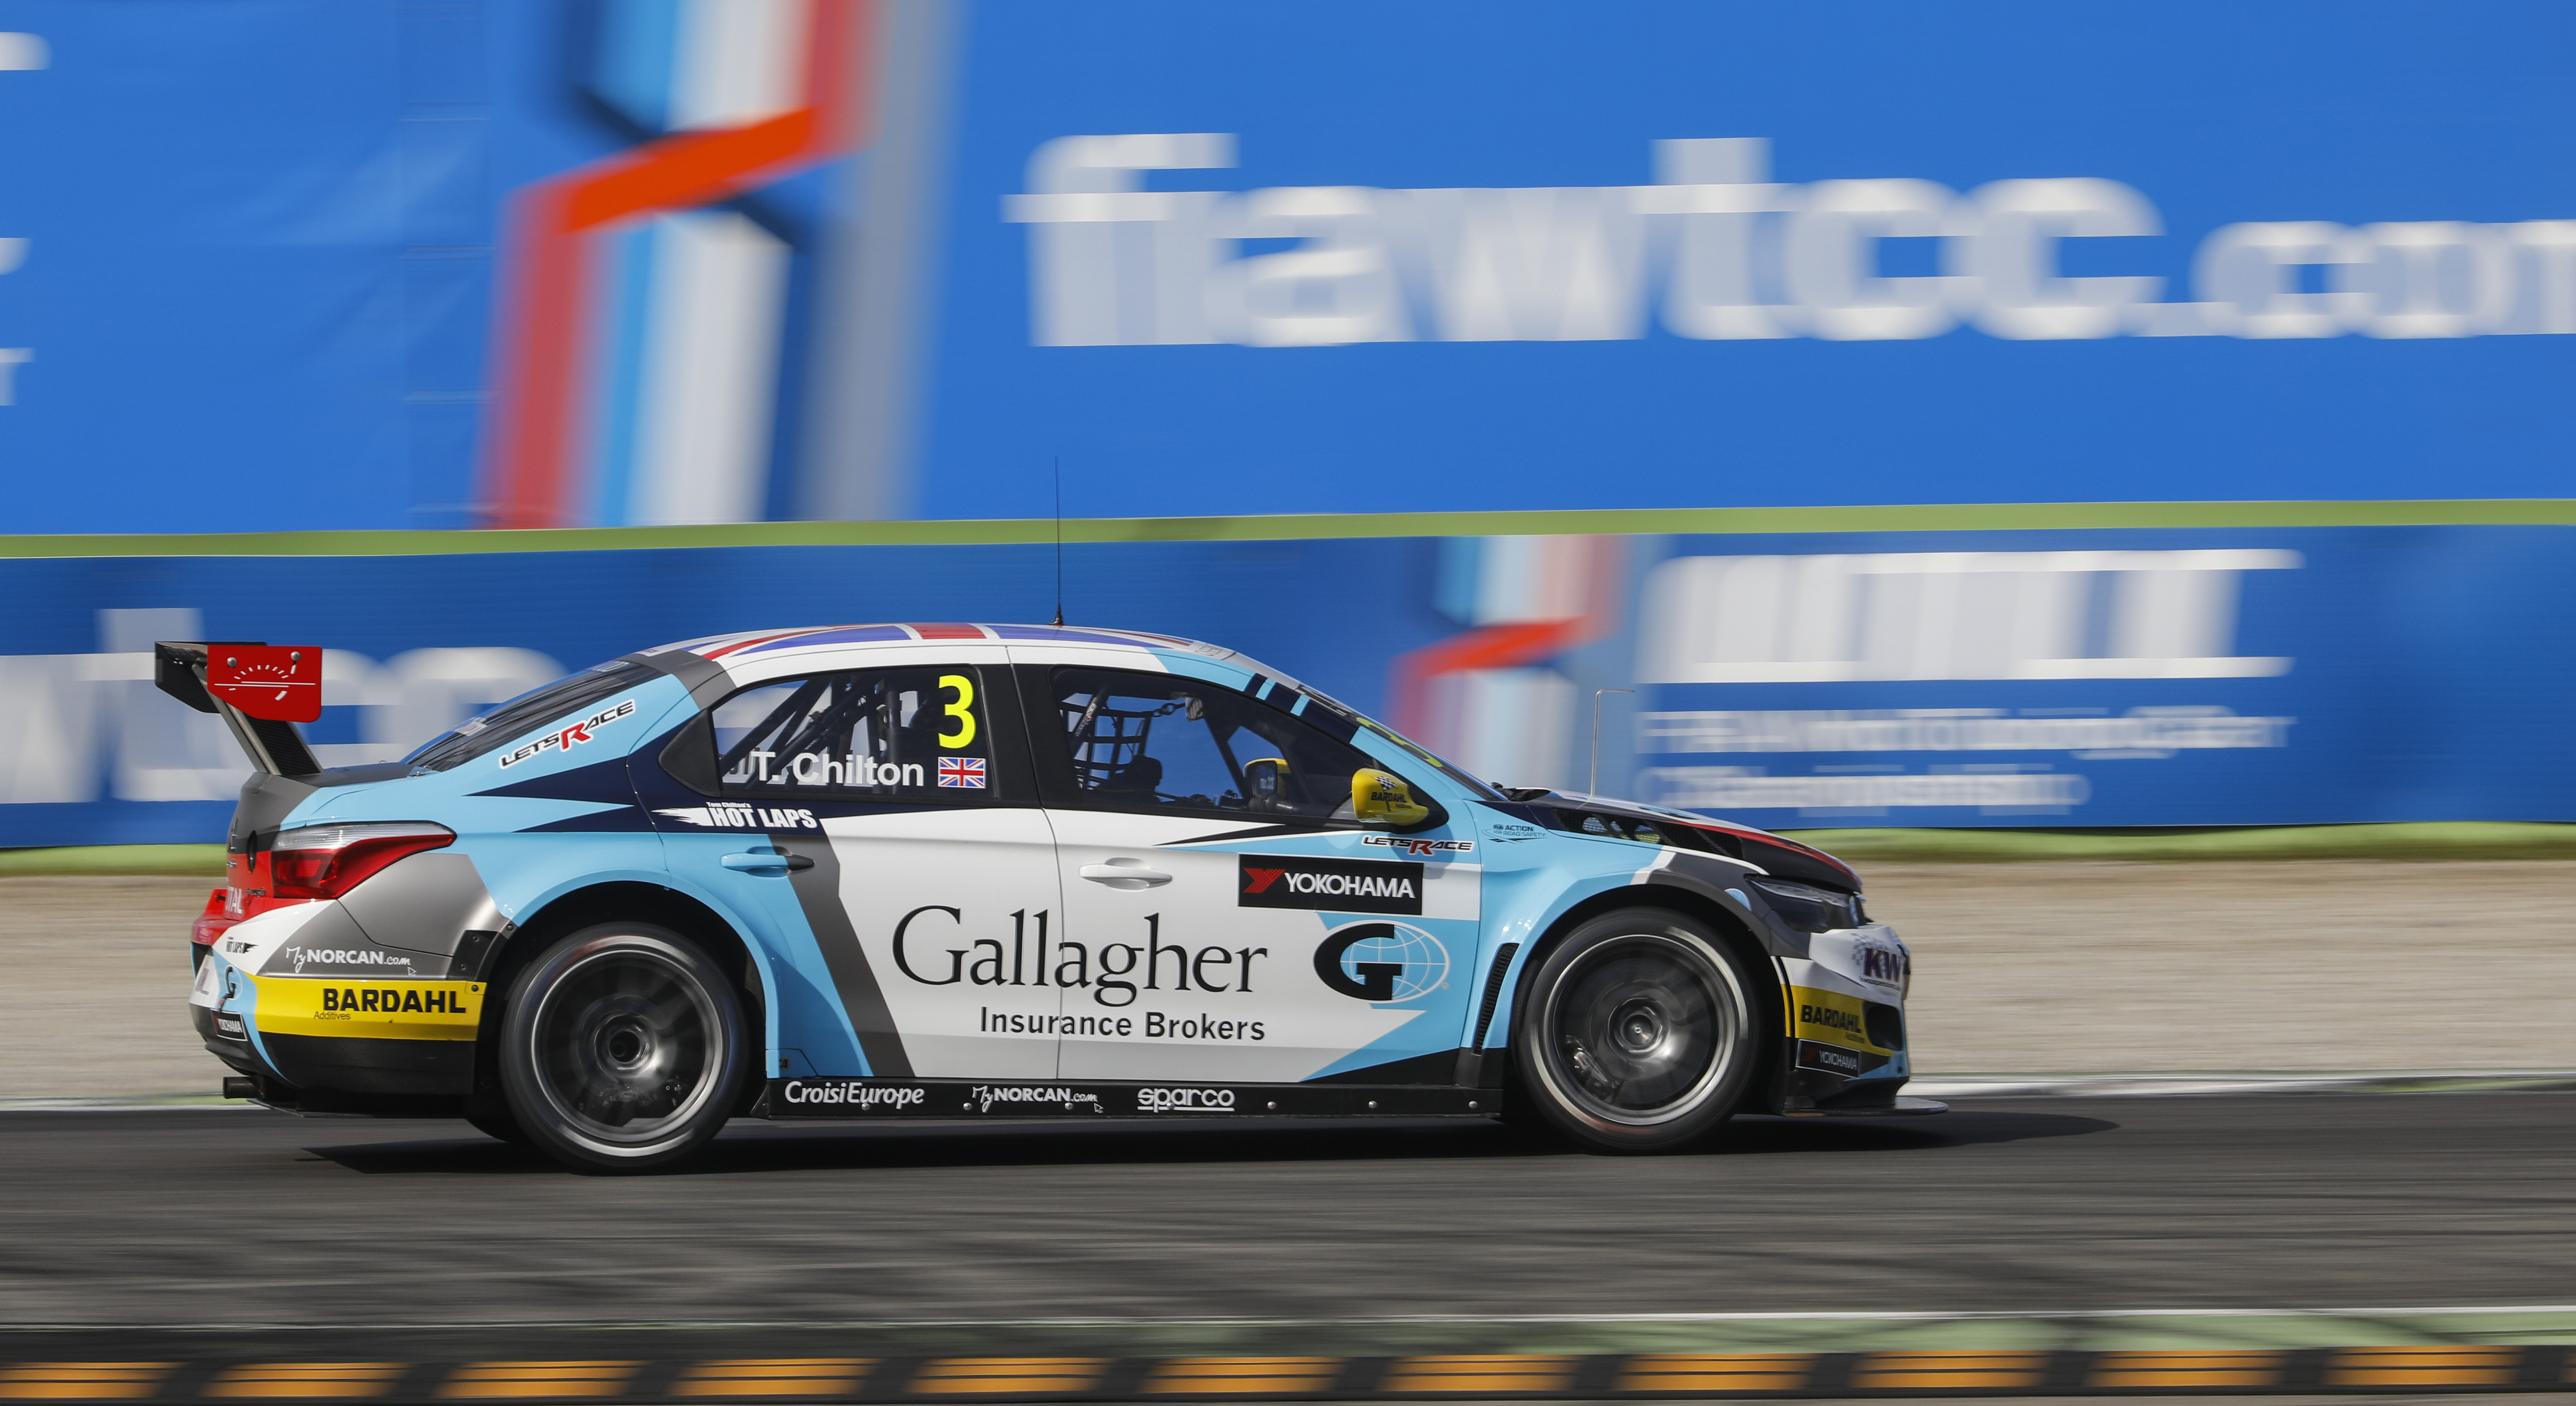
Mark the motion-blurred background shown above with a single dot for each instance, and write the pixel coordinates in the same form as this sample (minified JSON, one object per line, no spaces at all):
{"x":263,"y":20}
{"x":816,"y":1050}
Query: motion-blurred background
{"x":2006,"y":417}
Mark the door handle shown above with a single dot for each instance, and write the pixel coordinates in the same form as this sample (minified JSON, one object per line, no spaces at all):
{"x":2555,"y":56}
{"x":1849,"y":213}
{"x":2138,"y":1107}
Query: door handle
{"x":1130,"y":875}
{"x":789,"y":862}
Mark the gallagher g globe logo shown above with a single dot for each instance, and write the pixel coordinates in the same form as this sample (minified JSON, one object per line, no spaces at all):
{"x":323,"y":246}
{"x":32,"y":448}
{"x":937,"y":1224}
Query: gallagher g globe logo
{"x":1382,"y":961}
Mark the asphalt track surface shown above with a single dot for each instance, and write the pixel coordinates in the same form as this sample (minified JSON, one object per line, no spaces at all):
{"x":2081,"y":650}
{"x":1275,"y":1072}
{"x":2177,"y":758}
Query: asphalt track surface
{"x":245,"y":1216}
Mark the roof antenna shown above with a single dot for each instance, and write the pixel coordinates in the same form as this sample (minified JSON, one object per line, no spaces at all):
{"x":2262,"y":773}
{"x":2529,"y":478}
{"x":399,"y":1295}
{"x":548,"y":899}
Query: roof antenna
{"x":1059,"y":541}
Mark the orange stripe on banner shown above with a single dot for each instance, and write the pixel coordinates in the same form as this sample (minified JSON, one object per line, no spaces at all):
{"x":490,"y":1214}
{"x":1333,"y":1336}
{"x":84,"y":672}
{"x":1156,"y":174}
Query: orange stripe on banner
{"x":1949,"y":1371}
{"x":1479,"y":1374}
{"x":1242,"y":1375}
{"x":2159,"y":1370}
{"x":87,"y":1381}
{"x":774,"y":1376}
{"x":1697,"y":1372}
{"x":2423,"y":1366}
{"x":538,"y":360}
{"x":973,"y":1376}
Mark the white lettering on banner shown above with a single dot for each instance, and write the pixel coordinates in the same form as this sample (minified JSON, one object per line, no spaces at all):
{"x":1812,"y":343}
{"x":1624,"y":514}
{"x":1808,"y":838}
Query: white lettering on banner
{"x":1949,"y":615}
{"x":1721,"y":788}
{"x":1734,"y":255}
{"x":2141,"y":732}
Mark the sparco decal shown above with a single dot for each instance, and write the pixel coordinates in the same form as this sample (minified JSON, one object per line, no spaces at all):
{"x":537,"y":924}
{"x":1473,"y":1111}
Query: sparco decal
{"x":1328,"y":885}
{"x":568,"y":737}
{"x":1409,"y":845}
{"x":1382,"y":961}
{"x":849,"y":1095}
{"x":1185,"y":1100}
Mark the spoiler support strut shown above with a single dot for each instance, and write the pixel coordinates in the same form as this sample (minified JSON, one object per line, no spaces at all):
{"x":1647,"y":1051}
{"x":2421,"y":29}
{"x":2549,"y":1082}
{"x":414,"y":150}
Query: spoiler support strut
{"x":272,"y":744}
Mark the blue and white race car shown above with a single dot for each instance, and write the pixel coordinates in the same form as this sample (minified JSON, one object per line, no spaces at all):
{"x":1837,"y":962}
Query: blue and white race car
{"x":969,"y":871}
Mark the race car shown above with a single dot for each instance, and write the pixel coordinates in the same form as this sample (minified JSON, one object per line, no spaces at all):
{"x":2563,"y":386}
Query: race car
{"x":983,"y":871}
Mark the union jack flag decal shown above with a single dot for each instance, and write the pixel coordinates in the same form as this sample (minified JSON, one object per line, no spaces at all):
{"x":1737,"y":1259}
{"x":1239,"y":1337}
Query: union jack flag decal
{"x":962,"y":771}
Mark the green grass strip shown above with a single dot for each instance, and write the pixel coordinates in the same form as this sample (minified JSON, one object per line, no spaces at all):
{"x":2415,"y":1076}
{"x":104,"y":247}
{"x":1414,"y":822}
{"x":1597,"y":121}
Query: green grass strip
{"x":1943,"y":517}
{"x":2454,"y":840}
{"x":188,"y":861}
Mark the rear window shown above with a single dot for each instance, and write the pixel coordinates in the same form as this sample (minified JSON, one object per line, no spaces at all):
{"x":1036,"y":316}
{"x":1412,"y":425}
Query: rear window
{"x":537,"y":706}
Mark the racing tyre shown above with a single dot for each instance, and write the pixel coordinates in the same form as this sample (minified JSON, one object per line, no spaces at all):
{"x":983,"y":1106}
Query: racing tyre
{"x":1636,"y":1033}
{"x":621,"y":1049}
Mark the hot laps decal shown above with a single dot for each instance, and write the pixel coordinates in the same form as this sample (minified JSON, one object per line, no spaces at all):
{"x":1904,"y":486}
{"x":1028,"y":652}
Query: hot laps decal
{"x":1428,"y":848}
{"x":729,"y":816}
{"x":570,"y":737}
{"x":1328,"y":885}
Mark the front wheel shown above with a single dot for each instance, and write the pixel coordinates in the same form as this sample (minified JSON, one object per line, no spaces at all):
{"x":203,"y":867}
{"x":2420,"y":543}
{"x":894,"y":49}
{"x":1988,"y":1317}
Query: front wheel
{"x":1636,"y":1033}
{"x":621,"y":1049}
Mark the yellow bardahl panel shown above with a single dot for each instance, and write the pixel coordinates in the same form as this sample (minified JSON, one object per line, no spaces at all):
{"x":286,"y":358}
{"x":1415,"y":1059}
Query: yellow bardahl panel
{"x":355,"y":1008}
{"x":1832,"y":1018}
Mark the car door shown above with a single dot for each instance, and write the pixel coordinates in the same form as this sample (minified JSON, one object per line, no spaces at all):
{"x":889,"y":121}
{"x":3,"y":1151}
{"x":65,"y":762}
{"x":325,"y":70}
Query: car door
{"x":899,"y":814}
{"x":1227,"y":919}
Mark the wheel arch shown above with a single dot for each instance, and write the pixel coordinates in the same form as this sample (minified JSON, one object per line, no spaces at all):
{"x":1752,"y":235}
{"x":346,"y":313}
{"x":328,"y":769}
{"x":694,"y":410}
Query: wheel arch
{"x":608,"y":902}
{"x":1768,"y":995}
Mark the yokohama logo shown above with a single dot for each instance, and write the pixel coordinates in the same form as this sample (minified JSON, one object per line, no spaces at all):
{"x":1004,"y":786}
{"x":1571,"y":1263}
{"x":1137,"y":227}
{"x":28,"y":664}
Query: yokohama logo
{"x":1336,"y":885}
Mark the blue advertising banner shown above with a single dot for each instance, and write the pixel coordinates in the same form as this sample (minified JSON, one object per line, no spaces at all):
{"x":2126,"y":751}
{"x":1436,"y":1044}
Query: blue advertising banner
{"x":341,"y":264}
{"x":2205,"y":676}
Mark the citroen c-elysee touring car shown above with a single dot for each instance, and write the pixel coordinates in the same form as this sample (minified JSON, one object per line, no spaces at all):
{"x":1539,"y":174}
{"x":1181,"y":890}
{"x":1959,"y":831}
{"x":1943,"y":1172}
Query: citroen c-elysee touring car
{"x":969,"y":872}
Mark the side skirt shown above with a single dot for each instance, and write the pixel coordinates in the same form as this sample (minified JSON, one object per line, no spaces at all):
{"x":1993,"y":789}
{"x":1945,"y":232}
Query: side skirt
{"x":834,"y":1097}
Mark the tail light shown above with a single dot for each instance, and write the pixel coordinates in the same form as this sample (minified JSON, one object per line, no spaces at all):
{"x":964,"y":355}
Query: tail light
{"x":326,"y":861}
{"x":211,"y":923}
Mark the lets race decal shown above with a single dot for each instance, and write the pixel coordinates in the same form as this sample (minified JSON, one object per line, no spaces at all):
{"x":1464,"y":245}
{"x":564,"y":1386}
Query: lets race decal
{"x":1328,"y":885}
{"x":564,"y":739}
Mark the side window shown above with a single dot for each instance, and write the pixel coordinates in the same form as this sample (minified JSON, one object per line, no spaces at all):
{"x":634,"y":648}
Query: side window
{"x":1156,"y":742}
{"x":871,"y":734}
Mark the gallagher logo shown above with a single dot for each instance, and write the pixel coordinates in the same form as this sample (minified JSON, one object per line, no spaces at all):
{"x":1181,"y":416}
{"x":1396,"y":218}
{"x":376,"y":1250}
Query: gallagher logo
{"x":1382,"y":961}
{"x":1328,"y":885}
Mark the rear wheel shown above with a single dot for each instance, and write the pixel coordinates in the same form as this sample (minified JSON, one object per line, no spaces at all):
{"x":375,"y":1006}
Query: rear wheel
{"x":1636,"y":1033}
{"x":622,"y":1048}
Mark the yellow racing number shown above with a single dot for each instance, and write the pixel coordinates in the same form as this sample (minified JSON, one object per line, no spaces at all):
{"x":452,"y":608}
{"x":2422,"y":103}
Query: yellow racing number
{"x":962,"y":710}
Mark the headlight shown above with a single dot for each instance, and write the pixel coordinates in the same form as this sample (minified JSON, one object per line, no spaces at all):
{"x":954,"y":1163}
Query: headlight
{"x":1811,"y":909}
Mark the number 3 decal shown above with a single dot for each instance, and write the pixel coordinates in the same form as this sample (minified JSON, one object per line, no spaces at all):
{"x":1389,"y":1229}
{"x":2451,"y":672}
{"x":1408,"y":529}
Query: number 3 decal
{"x":961,"y":710}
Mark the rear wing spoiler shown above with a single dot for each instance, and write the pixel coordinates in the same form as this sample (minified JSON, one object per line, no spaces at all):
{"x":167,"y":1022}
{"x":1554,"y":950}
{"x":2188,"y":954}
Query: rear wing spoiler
{"x":260,"y":690}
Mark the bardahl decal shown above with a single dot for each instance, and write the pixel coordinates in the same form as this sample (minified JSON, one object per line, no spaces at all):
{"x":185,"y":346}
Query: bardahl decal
{"x":1328,"y":885}
{"x":565,"y":738}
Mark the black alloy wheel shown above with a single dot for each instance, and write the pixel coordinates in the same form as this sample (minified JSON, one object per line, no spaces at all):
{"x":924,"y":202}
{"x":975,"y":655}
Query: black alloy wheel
{"x":1636,"y":1033}
{"x":622,"y":1049}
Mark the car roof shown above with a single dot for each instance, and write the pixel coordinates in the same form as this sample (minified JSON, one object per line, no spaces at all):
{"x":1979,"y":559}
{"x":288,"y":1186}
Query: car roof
{"x":751,"y":642}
